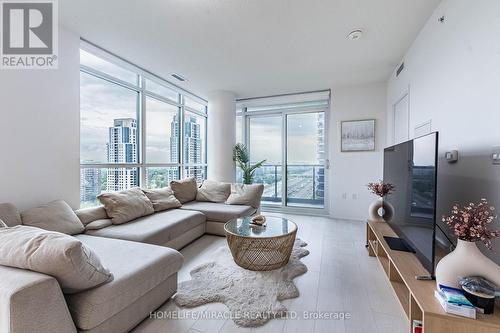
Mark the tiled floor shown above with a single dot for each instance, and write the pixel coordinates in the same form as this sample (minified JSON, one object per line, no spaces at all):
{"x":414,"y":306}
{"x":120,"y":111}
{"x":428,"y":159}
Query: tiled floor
{"x":341,"y":278}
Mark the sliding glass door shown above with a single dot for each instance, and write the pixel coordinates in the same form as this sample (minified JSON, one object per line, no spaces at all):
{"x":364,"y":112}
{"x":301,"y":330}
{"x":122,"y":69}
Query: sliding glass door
{"x":305,"y":159}
{"x":265,"y":136}
{"x":292,"y":143}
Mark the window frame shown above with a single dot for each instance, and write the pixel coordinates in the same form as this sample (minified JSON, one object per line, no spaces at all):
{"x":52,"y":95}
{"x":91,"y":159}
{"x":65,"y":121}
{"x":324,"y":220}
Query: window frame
{"x":283,"y":110}
{"x":141,"y":114}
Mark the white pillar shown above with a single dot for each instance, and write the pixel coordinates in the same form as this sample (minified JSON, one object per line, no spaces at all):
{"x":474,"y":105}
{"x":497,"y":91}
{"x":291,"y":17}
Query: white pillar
{"x":221,"y":135}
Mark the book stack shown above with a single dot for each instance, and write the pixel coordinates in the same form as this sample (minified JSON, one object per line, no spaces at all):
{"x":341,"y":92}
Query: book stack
{"x":416,"y":326}
{"x":453,"y":301}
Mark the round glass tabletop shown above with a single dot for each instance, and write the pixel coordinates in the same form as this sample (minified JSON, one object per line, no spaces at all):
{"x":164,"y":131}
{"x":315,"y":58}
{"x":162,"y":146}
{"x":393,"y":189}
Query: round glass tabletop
{"x":275,"y":226}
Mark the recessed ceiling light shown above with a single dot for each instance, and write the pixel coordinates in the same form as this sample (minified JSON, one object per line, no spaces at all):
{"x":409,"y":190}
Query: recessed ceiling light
{"x":355,"y":34}
{"x":179,"y":77}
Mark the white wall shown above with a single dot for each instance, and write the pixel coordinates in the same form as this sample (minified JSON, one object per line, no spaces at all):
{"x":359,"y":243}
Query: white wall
{"x":351,"y":171}
{"x":39,"y":132}
{"x":453,"y":75}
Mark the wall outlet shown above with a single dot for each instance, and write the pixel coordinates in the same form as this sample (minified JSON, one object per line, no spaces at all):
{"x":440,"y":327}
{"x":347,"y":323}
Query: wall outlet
{"x":495,"y":155}
{"x":354,"y":196}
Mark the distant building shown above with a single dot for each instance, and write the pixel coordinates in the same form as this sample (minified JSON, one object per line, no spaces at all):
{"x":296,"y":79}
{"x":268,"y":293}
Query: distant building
{"x":192,"y":153}
{"x":320,"y":155}
{"x":90,"y":185}
{"x":122,"y":148}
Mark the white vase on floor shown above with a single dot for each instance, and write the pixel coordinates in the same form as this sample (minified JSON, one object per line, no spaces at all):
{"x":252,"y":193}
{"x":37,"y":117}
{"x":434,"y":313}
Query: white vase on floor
{"x":466,"y":260}
{"x":373,"y":211}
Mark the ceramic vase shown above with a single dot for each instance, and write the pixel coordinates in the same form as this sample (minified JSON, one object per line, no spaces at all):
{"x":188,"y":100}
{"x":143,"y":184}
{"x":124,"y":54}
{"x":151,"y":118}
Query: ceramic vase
{"x":466,"y":260}
{"x":374,"y":208}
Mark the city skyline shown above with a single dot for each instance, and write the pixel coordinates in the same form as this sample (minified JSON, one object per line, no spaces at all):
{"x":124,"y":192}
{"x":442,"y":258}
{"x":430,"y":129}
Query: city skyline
{"x":121,"y":148}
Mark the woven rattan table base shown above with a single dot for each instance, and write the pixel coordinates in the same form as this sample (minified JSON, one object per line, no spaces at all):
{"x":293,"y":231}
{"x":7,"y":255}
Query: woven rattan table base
{"x":261,"y":254}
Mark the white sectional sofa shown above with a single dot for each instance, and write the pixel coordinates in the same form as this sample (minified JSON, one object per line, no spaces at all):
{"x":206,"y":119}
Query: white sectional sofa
{"x":142,"y":256}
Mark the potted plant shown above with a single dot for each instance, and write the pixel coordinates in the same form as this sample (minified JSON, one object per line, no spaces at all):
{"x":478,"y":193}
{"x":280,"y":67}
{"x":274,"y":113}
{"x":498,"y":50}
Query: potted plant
{"x":470,"y":225}
{"x":380,"y":189}
{"x":242,"y":159}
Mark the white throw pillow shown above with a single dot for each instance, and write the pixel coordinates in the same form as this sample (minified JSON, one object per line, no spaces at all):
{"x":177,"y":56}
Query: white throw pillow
{"x":213,"y":191}
{"x":184,"y":190}
{"x":127,"y":205}
{"x":75,"y":266}
{"x":162,"y":198}
{"x":242,"y":194}
{"x":54,"y":216}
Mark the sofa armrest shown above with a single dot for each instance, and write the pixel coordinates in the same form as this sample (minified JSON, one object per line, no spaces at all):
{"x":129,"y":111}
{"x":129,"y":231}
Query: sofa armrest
{"x":32,"y":302}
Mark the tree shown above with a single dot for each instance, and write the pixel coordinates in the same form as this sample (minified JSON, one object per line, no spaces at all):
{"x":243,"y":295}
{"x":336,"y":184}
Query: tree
{"x":242,"y":159}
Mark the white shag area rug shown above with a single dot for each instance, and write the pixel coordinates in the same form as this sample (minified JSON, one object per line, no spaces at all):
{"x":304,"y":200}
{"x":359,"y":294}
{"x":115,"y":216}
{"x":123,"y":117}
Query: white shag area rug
{"x":253,"y":297}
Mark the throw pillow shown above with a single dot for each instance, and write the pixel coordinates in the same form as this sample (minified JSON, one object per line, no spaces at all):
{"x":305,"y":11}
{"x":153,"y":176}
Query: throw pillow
{"x":242,"y":194}
{"x":75,"y":266}
{"x":9,"y":214}
{"x":213,"y":191}
{"x":184,"y":190}
{"x":162,"y":198}
{"x":98,"y":224}
{"x":87,"y":215}
{"x":54,"y":216}
{"x":127,"y":205}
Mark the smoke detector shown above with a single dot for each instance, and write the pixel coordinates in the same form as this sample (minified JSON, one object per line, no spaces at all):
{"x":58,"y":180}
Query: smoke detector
{"x":355,"y":34}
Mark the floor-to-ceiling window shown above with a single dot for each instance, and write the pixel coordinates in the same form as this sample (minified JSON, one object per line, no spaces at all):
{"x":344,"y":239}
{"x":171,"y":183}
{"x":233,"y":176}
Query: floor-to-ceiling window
{"x":291,"y":137}
{"x":136,"y":129}
{"x":265,"y":143}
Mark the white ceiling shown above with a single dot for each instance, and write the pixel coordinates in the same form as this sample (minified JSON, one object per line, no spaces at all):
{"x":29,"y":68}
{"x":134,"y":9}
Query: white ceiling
{"x":254,"y":47}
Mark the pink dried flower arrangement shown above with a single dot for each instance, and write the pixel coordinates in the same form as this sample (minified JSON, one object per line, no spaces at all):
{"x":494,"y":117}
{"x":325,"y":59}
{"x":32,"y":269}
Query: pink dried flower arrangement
{"x":470,"y":223}
{"x":381,"y":189}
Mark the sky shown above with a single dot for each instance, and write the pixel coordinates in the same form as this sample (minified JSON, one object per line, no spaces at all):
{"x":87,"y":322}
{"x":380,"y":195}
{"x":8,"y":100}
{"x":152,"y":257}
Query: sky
{"x":265,"y":139}
{"x":102,"y":102}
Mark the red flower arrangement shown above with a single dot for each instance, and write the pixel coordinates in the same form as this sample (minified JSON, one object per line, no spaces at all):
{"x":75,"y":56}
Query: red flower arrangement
{"x":470,"y":223}
{"x":381,"y":189}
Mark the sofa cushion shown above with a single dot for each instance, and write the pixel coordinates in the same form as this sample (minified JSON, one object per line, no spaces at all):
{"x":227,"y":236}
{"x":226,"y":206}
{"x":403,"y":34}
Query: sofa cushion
{"x":54,"y":216}
{"x":157,"y":229}
{"x":87,"y":215}
{"x":137,"y":268}
{"x":184,"y":190}
{"x":213,"y":191}
{"x":9,"y":214}
{"x":218,"y":211}
{"x":243,"y":194}
{"x":127,"y":205}
{"x":162,"y":198}
{"x":98,"y":224}
{"x":75,"y":266}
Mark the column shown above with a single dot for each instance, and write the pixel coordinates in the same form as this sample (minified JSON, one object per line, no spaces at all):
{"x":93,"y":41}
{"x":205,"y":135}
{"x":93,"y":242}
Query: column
{"x":221,"y":135}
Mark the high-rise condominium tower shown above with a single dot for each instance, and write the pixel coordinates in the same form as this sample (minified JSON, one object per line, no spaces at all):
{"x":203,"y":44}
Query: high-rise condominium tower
{"x":90,"y":185}
{"x":122,"y":148}
{"x":192,"y":153}
{"x":320,"y":175}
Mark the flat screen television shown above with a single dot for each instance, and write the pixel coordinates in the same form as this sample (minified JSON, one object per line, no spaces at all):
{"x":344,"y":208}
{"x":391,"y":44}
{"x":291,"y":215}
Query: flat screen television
{"x":411,"y":167}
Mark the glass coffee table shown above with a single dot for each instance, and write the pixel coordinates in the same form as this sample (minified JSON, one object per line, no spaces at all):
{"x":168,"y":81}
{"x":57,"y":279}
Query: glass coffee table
{"x":261,"y":248}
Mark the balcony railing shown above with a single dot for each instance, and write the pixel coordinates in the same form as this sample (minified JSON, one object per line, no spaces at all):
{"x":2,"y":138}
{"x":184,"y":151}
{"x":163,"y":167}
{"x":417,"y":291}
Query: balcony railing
{"x":305,"y":184}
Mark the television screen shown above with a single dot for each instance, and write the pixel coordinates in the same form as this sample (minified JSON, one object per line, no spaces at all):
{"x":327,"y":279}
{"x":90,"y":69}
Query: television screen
{"x":412,"y":168}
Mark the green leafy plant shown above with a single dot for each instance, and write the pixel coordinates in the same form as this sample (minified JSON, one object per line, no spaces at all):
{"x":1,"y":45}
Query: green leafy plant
{"x":242,"y":158}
